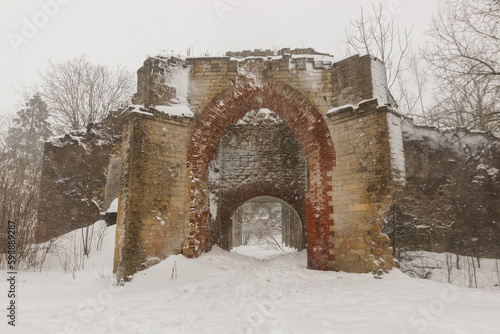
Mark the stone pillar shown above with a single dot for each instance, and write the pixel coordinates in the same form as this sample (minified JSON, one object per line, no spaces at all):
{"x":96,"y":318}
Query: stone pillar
{"x":369,"y":171}
{"x":154,"y":202}
{"x":232,"y":239}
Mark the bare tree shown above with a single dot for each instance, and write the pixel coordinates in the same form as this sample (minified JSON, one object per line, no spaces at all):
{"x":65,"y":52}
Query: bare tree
{"x":466,"y":38}
{"x":412,"y":85}
{"x":5,"y":121}
{"x":18,"y":202}
{"x":78,"y":92}
{"x":20,"y":168}
{"x":464,"y":54}
{"x":470,"y":102}
{"x":20,"y":162}
{"x":382,"y":39}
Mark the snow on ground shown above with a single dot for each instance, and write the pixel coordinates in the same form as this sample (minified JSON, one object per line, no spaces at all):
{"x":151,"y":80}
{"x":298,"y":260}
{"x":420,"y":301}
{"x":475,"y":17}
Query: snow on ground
{"x":227,"y":292}
{"x":262,"y":251}
{"x":442,"y":267}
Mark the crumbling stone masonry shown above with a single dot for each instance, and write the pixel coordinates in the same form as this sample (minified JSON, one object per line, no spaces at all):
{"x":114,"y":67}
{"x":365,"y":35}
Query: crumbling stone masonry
{"x":78,"y":178}
{"x":451,"y":200}
{"x":337,"y":111}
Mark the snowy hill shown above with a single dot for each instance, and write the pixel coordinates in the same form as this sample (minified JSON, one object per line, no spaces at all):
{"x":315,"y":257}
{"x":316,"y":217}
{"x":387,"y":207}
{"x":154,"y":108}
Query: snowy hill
{"x":227,"y":292}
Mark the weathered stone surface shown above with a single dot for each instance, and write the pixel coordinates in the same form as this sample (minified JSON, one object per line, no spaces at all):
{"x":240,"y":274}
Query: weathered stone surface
{"x":364,"y":182}
{"x":255,"y":159}
{"x":451,"y":202}
{"x":74,"y":178}
{"x":300,"y":90}
{"x":153,"y":201}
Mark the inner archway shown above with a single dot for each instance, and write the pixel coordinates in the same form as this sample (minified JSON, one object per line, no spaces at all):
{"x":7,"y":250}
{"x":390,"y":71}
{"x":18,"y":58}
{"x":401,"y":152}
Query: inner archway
{"x":307,"y":125}
{"x":265,"y":223}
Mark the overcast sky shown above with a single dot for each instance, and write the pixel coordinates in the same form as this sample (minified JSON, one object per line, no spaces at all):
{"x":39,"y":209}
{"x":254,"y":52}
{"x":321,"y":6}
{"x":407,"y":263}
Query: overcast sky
{"x":127,"y":31}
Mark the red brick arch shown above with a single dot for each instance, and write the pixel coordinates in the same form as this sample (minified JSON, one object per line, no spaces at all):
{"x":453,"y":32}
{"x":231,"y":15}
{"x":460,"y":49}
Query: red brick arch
{"x":309,"y":128}
{"x":263,"y":188}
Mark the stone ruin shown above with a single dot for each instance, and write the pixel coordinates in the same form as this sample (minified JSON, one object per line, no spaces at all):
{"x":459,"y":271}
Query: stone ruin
{"x":451,"y":201}
{"x":211,"y":140}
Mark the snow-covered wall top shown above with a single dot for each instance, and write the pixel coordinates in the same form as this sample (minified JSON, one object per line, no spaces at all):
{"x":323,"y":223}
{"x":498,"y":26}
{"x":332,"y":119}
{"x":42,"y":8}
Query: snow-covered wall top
{"x":195,"y":82}
{"x":462,"y":141}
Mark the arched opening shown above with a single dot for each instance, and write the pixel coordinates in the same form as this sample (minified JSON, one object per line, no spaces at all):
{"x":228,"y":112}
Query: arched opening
{"x":265,"y":225}
{"x":310,"y":129}
{"x":258,"y":156}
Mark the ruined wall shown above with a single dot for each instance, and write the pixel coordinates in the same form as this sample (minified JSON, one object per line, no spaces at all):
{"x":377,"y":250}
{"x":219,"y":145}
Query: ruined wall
{"x":258,"y":156}
{"x":451,"y":202}
{"x":73,"y":181}
{"x":155,"y":82}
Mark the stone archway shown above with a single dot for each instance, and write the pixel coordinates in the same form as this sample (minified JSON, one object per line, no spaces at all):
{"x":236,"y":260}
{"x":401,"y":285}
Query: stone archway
{"x":183,"y":107}
{"x":290,"y":224}
{"x":317,"y":146}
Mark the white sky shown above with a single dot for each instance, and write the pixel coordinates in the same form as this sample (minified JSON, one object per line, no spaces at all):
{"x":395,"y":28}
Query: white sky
{"x":127,"y":31}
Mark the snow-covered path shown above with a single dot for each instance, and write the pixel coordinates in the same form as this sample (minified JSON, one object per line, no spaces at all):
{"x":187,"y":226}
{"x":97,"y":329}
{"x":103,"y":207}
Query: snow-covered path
{"x":223,"y":292}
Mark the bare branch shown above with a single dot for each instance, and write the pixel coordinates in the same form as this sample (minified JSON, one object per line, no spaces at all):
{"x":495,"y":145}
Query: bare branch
{"x":381,"y":39}
{"x":79,"y":92}
{"x":465,"y":59}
